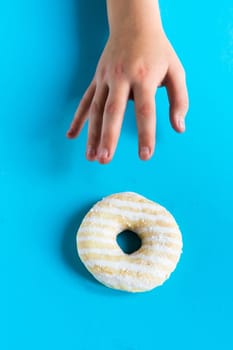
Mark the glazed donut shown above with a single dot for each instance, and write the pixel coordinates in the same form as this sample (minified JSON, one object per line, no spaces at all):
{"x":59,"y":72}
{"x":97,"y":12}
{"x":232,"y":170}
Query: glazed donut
{"x":146,"y":268}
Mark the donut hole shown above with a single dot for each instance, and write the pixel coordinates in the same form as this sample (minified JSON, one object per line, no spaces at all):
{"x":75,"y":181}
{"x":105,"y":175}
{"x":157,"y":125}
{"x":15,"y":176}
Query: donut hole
{"x":128,"y":241}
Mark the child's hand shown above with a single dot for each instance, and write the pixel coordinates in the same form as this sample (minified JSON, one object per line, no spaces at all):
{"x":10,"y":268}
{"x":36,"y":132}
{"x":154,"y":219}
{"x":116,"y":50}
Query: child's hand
{"x":133,"y":64}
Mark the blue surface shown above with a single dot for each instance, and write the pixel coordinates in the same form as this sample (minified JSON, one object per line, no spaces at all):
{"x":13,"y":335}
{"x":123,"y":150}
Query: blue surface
{"x":49,"y":51}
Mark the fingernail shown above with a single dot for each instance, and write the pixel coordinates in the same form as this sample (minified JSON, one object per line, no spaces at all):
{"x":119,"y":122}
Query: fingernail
{"x":181,"y":124}
{"x":69,"y":133}
{"x":144,"y":152}
{"x":90,"y":152}
{"x":103,"y":153}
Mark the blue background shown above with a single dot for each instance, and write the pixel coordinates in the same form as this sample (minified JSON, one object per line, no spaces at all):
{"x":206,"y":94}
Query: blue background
{"x":49,"y":51}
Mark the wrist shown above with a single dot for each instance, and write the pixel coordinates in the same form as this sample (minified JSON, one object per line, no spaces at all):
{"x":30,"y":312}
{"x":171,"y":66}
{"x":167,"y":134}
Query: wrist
{"x":134,"y":16}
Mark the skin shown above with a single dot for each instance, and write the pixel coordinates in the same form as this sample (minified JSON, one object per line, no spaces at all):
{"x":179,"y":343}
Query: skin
{"x":137,"y":59}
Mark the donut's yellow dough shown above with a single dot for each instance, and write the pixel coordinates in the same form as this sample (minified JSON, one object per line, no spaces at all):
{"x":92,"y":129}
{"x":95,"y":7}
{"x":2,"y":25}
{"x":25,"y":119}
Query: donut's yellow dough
{"x":142,"y":270}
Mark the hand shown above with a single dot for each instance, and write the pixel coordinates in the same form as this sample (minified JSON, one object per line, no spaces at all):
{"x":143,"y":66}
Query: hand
{"x":131,"y":67}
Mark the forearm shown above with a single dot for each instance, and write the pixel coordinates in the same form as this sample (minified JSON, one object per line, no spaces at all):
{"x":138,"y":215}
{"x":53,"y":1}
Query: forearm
{"x":133,"y":14}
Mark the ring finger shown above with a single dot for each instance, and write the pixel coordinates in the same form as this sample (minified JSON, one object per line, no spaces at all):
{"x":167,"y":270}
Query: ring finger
{"x":95,"y":121}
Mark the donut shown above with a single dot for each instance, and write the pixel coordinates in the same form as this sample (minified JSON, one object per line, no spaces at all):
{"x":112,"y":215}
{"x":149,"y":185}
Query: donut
{"x":142,"y":270}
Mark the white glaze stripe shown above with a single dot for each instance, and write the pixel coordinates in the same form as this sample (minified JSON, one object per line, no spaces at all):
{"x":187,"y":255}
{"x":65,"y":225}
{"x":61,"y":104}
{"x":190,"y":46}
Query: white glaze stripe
{"x":132,"y":215}
{"x":114,"y":225}
{"x":100,"y":251}
{"x":164,"y":260}
{"x":127,"y":267}
{"x":101,"y":221}
{"x":115,"y":202}
{"x":156,"y":249}
{"x":107,"y":238}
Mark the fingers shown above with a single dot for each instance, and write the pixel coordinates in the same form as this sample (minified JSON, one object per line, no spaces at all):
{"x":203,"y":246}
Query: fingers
{"x":81,"y":113}
{"x":106,"y":106}
{"x":112,"y":121}
{"x":146,"y":119}
{"x":178,"y":97}
{"x":95,"y":121}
